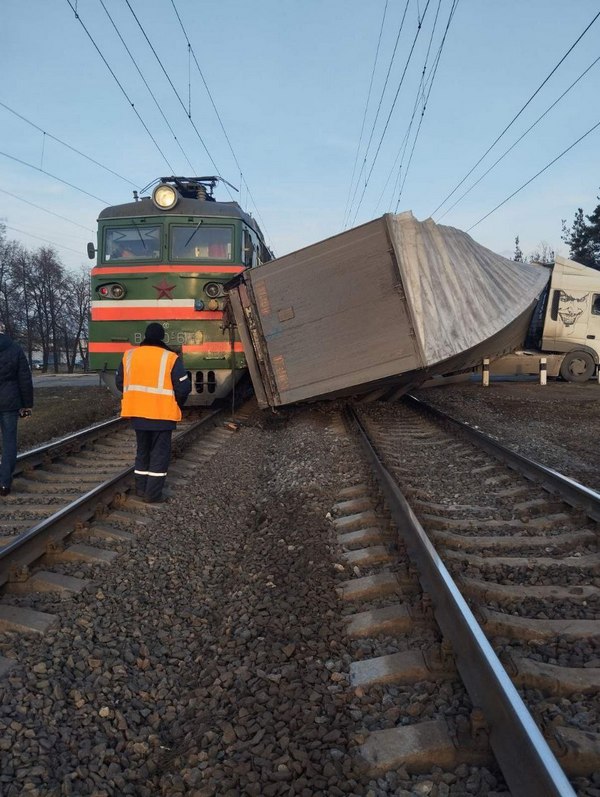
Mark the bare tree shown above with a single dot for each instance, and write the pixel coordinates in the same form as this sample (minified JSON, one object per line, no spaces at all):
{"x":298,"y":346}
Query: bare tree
{"x":46,"y":284}
{"x":73,"y":325}
{"x":543,"y":254}
{"x":11,"y":308}
{"x":21,"y":266}
{"x":42,"y":305}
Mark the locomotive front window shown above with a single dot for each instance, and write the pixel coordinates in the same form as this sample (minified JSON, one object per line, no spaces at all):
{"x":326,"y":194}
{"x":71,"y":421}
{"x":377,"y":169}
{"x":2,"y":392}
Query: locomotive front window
{"x":201,"y":243}
{"x":132,"y":243}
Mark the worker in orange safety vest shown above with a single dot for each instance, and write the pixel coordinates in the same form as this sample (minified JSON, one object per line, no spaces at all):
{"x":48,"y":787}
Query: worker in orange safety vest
{"x":155,"y":386}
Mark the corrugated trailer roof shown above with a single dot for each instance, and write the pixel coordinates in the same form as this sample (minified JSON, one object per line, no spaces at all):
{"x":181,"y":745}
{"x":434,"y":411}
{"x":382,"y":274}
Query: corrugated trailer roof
{"x":459,"y":292}
{"x":377,"y":306}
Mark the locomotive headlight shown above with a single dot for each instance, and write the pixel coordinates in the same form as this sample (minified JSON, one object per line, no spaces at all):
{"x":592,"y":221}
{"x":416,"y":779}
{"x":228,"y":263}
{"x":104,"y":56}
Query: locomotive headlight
{"x":165,"y":197}
{"x":112,"y":291}
{"x":213,"y":289}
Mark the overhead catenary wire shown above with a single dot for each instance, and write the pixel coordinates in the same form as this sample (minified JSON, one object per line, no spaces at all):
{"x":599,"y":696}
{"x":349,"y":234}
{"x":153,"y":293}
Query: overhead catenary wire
{"x":68,"y":146}
{"x":364,"y":119}
{"x":210,"y":96}
{"x":514,"y":119}
{"x":408,"y":60}
{"x":181,"y":102}
{"x":426,"y":100}
{"x":418,"y":96}
{"x":521,"y":137}
{"x":119,"y":84}
{"x":139,"y":71}
{"x":54,"y":177}
{"x":39,"y":238}
{"x":531,"y":179}
{"x":51,"y":212}
{"x":374,"y":124}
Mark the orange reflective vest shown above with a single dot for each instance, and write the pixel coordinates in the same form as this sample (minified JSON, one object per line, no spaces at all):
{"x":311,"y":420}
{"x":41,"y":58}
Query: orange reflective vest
{"x":147,"y":387}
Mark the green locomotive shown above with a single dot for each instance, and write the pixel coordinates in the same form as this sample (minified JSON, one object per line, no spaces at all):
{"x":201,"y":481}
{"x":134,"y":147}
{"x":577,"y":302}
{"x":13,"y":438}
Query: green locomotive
{"x":165,"y":258}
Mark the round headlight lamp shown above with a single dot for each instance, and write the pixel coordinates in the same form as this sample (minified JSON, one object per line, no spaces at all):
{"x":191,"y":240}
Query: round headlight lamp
{"x":213,"y":289}
{"x":165,"y":197}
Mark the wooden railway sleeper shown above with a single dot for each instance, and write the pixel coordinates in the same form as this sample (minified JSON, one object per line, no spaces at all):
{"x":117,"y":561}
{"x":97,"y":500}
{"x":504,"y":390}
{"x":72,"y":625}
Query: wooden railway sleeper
{"x":551,"y":679}
{"x":577,"y":751}
{"x":419,"y":748}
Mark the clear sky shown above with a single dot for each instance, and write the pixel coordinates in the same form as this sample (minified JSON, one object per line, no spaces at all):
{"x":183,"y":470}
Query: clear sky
{"x":290,"y":79}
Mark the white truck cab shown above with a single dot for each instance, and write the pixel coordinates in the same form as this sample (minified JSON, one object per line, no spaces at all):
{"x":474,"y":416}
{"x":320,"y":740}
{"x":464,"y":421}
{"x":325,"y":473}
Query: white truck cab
{"x":572,"y":319}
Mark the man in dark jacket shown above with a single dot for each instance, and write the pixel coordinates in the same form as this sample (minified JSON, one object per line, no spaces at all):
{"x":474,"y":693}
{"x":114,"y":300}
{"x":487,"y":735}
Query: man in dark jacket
{"x":16,"y":399}
{"x":155,"y":386}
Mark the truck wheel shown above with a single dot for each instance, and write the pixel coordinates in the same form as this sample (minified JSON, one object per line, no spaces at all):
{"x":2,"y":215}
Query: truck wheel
{"x":577,"y":366}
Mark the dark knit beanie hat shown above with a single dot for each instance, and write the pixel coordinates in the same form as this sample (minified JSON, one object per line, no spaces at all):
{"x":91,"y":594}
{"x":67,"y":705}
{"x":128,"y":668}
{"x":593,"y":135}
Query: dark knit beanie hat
{"x":155,"y":331}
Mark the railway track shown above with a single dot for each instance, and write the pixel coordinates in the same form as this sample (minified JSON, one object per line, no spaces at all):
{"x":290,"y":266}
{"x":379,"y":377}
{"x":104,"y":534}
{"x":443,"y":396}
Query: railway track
{"x":215,"y":655}
{"x":506,"y":553}
{"x":66,"y":495}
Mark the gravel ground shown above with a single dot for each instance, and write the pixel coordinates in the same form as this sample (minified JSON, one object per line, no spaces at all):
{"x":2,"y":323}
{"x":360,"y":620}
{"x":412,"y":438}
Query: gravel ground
{"x":210,"y":659}
{"x":59,"y":411}
{"x":197,"y":662}
{"x":556,"y":424}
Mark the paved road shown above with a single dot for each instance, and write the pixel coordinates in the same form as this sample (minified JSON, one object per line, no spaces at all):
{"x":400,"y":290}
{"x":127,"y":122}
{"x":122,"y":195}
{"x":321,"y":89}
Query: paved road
{"x":41,"y":381}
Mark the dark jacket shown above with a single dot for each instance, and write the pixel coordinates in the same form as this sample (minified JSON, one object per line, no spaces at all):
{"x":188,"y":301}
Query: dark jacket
{"x":16,"y":385}
{"x":181,"y":387}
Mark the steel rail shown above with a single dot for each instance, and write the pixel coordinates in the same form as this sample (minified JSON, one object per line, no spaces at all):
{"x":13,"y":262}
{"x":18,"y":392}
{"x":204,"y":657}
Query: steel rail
{"x":527,"y":762}
{"x":36,"y":456}
{"x":571,"y":491}
{"x":33,"y":543}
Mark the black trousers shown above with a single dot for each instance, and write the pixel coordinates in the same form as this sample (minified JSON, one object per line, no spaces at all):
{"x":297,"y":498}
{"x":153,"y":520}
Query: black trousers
{"x":151,"y":462}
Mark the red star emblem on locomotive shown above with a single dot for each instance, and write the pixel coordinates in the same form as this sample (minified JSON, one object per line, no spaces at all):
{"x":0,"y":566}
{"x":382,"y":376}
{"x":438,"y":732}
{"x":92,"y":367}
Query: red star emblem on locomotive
{"x":164,"y":289}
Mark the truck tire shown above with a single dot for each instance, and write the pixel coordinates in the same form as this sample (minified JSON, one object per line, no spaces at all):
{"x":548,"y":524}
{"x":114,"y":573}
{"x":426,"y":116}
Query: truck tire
{"x":577,"y":366}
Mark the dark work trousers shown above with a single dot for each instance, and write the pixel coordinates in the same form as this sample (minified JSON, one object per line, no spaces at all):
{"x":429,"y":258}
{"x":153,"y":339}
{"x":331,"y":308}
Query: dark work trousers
{"x":151,"y":462}
{"x":8,"y":427}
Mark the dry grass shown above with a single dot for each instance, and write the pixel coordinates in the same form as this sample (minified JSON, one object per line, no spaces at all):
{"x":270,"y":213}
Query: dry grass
{"x":62,"y":410}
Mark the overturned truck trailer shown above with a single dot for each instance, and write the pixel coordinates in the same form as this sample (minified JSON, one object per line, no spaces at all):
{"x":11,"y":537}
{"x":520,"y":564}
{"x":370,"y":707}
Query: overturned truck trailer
{"x":379,"y":309}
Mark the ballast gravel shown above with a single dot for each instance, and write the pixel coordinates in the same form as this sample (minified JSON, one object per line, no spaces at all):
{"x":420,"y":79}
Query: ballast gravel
{"x":552,"y":424}
{"x":211,"y":658}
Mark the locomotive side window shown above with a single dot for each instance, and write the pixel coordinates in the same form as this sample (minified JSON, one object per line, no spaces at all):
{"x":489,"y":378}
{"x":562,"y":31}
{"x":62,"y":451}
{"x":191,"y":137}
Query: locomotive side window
{"x":263,"y":254}
{"x":201,"y":243}
{"x":248,"y":253}
{"x":132,"y":243}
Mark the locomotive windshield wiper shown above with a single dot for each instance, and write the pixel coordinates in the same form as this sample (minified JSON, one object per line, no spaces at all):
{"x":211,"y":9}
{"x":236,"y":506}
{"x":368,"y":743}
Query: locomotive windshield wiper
{"x":140,"y":234}
{"x":193,"y":233}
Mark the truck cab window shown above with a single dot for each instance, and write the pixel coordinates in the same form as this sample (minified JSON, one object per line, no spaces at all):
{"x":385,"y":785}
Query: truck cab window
{"x":596,"y":304}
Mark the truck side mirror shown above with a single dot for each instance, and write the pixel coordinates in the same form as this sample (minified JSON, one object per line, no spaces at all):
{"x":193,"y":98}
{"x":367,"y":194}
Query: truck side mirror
{"x":91,"y":250}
